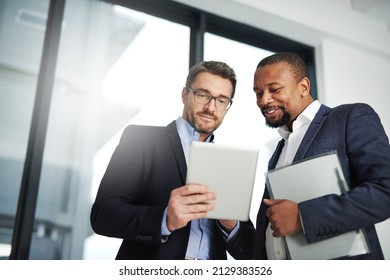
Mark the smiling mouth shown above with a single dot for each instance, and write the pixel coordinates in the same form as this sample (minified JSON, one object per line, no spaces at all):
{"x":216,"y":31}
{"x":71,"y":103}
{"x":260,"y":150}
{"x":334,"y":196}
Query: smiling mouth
{"x":270,"y":112}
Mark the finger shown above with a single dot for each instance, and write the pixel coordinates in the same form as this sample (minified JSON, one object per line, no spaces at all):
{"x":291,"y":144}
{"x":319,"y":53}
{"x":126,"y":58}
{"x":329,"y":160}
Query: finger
{"x":196,"y":216}
{"x":178,"y":202}
{"x":270,"y":213}
{"x":198,"y":198}
{"x":198,"y":208}
{"x":275,"y":230}
{"x":270,"y":202}
{"x":178,"y":215}
{"x":191,"y":189}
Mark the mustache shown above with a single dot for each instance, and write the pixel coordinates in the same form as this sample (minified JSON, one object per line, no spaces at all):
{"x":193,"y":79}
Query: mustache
{"x":205,"y":112}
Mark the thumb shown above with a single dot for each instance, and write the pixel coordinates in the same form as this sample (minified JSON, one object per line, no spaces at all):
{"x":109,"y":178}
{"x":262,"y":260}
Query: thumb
{"x":270,"y":202}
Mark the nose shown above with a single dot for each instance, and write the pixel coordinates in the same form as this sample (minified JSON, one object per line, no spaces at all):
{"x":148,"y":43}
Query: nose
{"x":265,"y":99}
{"x":212,"y":105}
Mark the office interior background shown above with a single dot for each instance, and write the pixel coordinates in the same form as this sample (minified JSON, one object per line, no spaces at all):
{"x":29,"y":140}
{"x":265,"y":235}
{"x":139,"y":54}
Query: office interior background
{"x":74,"y":73}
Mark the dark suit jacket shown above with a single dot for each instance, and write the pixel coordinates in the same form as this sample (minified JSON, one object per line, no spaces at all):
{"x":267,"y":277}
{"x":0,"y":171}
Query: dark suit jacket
{"x":146,"y":166}
{"x":355,"y":131}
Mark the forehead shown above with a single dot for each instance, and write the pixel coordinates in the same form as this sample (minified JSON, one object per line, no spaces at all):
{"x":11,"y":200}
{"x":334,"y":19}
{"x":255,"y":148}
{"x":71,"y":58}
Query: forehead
{"x":274,"y":73}
{"x":213,"y":84}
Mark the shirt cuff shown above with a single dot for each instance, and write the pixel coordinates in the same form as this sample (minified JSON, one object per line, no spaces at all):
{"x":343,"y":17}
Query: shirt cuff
{"x":300,"y":218}
{"x":164,"y":227}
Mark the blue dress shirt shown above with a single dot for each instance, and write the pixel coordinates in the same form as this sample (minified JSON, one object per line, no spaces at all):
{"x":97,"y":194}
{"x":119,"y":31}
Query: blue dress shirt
{"x":201,"y":232}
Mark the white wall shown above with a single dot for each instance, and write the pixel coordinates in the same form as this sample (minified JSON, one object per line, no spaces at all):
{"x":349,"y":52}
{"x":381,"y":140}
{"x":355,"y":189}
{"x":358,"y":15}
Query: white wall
{"x":355,"y":75}
{"x":352,"y":50}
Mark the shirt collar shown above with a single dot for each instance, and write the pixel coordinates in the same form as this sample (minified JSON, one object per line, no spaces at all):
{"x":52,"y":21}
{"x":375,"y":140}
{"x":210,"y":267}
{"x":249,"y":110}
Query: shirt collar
{"x":306,"y":116}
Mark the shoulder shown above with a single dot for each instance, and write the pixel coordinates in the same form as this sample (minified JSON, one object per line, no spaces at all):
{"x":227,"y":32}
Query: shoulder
{"x":353,"y":110}
{"x":353,"y":107}
{"x":148,"y":128}
{"x":146,"y":132}
{"x":356,"y":116}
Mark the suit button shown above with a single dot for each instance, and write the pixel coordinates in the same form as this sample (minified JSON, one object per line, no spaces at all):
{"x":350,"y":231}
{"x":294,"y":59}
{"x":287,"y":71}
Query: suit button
{"x":138,"y":237}
{"x":144,"y":237}
{"x":149,"y":238}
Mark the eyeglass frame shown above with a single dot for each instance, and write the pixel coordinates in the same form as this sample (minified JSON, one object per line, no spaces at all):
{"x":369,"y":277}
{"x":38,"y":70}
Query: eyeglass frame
{"x":194,"y":91}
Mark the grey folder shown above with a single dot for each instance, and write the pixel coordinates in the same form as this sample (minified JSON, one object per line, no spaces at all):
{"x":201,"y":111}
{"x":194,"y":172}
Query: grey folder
{"x":229,"y":171}
{"x":309,"y":179}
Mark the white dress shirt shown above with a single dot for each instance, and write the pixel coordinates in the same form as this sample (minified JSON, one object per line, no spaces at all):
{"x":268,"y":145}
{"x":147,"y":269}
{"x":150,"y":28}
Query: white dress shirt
{"x":274,"y":246}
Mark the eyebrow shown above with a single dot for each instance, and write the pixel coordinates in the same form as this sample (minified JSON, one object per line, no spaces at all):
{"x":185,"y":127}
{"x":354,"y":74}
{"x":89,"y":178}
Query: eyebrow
{"x":269,"y":84}
{"x":274,"y":83}
{"x":206,"y":90}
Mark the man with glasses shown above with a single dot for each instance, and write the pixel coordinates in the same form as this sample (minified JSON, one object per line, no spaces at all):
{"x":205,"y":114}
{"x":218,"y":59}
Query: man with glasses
{"x":143,"y":198}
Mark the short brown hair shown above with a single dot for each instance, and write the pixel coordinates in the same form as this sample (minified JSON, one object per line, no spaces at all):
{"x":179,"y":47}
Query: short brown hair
{"x":213,"y":67}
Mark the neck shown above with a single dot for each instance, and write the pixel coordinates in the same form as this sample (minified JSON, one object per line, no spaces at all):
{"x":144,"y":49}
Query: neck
{"x":203,"y":137}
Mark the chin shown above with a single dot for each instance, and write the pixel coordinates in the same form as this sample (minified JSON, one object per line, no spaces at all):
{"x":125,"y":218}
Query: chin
{"x":272,"y":125}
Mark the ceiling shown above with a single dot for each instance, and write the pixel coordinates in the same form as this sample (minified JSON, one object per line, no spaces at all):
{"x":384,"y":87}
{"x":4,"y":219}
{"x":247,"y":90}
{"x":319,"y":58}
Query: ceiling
{"x":378,"y":10}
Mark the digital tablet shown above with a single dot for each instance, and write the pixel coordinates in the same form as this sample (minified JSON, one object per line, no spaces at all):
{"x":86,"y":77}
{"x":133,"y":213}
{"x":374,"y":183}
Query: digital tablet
{"x":229,"y":171}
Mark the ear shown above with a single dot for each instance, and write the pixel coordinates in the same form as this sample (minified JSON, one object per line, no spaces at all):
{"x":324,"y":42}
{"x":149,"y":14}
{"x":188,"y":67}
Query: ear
{"x":304,"y":86}
{"x":184,"y":94}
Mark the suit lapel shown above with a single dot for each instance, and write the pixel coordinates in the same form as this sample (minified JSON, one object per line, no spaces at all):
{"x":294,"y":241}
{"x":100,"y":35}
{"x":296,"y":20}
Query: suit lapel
{"x":177,"y":149}
{"x":274,"y":159}
{"x":311,"y":133}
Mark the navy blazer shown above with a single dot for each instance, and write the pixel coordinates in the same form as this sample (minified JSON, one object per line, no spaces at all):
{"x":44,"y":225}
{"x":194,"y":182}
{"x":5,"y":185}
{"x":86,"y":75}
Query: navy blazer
{"x":146,"y":166}
{"x":356,"y":133}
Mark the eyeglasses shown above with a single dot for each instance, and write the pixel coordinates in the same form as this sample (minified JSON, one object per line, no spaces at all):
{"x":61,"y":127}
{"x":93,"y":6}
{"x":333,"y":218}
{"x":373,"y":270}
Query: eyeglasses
{"x":202,"y":97}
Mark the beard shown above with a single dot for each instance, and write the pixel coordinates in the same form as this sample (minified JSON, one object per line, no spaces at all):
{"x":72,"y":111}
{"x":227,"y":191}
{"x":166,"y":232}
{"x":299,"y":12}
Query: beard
{"x":200,"y":126}
{"x":285,"y":118}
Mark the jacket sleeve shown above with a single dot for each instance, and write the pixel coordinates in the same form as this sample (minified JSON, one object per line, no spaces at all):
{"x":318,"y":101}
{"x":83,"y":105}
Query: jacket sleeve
{"x":364,"y":151}
{"x":116,"y":211}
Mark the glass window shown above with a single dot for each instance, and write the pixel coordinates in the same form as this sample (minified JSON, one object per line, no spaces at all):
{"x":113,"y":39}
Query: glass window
{"x":244,"y":124}
{"x":22,"y":31}
{"x":115,"y":67}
